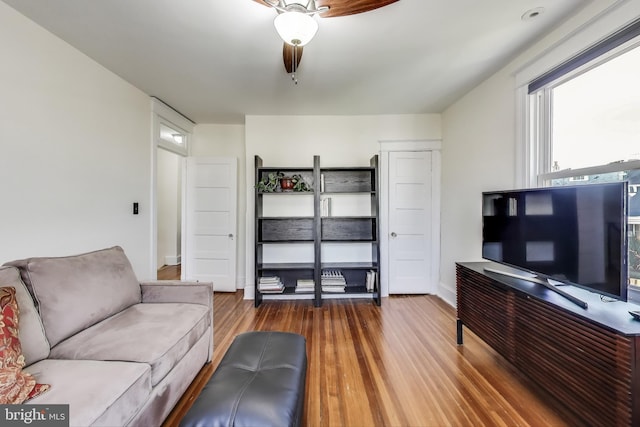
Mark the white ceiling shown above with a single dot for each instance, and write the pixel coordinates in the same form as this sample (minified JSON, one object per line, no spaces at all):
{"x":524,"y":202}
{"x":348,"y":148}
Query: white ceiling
{"x":219,"y":60}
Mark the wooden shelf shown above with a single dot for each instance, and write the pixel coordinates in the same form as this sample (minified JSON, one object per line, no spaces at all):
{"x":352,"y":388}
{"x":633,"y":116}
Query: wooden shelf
{"x":285,"y":229}
{"x":350,"y":265}
{"x":350,"y":289}
{"x":348,"y":180}
{"x":285,"y":193}
{"x":285,"y":266}
{"x":349,"y":229}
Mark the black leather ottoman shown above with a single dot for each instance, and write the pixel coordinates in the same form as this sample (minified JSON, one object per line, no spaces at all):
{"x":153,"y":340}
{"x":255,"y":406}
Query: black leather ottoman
{"x":259,"y":382}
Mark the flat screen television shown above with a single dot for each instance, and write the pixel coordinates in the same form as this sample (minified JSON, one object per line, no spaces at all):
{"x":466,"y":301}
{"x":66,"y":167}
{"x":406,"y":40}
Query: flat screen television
{"x":573,"y":234}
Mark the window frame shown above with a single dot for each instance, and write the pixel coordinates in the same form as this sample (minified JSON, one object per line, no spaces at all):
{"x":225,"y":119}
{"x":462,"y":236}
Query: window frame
{"x":539,"y":141}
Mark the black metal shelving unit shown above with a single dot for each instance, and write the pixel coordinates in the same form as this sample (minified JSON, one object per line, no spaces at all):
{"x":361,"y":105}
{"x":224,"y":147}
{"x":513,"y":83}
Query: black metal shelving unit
{"x":319,"y":230}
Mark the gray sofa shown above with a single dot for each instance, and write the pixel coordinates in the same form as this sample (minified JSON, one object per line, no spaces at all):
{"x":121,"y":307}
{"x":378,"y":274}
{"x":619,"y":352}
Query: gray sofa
{"x":119,"y":352}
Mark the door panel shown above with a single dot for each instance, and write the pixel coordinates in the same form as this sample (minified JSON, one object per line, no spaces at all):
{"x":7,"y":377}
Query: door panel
{"x":209,"y":199}
{"x":211,"y":222}
{"x":410,"y":203}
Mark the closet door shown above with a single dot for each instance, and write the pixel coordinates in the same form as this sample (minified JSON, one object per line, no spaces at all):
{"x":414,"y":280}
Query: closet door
{"x":210,"y":222}
{"x":410,"y":222}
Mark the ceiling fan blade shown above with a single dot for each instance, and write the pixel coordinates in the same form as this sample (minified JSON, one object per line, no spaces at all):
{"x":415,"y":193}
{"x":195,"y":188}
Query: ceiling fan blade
{"x":288,"y":57}
{"x":350,"y":7}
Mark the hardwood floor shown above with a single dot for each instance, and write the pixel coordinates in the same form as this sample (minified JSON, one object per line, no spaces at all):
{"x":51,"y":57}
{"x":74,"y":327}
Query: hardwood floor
{"x":394,"y":365}
{"x":169,"y":272}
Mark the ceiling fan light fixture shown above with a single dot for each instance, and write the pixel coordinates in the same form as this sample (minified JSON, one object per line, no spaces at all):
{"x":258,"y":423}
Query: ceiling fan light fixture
{"x":295,"y":28}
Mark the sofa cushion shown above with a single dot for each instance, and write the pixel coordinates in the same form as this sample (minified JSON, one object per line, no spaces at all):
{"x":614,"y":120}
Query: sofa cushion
{"x":78,"y":291}
{"x":157,"y":334}
{"x":32,"y":338}
{"x":98,"y":393}
{"x":16,"y":386}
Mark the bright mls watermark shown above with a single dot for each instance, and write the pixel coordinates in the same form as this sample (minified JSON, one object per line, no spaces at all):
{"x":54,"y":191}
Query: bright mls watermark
{"x":34,"y":415}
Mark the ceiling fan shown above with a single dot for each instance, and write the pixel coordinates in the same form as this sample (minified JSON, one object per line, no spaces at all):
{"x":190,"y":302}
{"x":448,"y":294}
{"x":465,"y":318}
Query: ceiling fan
{"x":296,"y":26}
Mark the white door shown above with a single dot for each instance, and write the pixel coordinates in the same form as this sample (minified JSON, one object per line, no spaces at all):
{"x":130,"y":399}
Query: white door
{"x":210,"y":223}
{"x":410,"y":207}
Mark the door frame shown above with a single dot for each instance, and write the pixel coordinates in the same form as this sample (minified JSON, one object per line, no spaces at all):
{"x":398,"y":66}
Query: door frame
{"x":163,"y":114}
{"x":434,"y":146}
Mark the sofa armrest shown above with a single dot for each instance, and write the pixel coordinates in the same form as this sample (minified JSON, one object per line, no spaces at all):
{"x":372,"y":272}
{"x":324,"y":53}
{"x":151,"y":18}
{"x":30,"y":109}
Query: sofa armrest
{"x":177,"y":291}
{"x":167,"y":291}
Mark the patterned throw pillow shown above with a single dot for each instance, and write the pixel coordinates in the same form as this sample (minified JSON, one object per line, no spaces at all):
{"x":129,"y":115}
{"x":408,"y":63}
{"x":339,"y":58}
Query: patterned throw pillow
{"x":16,"y":386}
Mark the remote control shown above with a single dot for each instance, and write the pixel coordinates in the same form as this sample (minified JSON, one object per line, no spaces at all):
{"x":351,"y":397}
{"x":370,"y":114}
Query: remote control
{"x":635,"y":314}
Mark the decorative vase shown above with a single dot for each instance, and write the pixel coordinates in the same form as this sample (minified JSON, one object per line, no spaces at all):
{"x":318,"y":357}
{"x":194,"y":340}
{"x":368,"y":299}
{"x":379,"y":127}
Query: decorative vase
{"x":286,"y":183}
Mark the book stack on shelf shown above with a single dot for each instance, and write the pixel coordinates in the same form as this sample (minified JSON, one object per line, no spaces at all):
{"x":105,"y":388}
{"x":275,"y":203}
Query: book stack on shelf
{"x":270,"y":285}
{"x":371,"y":281}
{"x":333,"y":281}
{"x":305,"y":286}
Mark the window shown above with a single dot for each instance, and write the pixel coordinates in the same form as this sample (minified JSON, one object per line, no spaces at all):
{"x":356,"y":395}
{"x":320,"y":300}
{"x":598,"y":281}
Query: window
{"x":596,"y":115}
{"x":171,"y":130}
{"x":172,"y":139}
{"x":585,"y":126}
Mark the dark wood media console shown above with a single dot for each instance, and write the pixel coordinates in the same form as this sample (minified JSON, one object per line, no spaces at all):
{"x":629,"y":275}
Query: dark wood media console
{"x":587,"y":359}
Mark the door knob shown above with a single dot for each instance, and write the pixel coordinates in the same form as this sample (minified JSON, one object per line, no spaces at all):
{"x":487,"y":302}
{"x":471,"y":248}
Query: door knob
{"x":393,"y":234}
{"x":230,"y":235}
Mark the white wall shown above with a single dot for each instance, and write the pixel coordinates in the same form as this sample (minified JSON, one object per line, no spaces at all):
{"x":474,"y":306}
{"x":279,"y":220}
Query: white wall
{"x":477,"y":155}
{"x":169,"y":188}
{"x":481,"y":137}
{"x":75,"y":150}
{"x":339,"y":141}
{"x":211,"y":140}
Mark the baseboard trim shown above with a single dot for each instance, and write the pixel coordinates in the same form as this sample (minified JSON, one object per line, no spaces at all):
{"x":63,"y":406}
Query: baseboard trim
{"x":447,"y":294}
{"x":240,"y":282}
{"x":249,"y":292}
{"x":172,"y":260}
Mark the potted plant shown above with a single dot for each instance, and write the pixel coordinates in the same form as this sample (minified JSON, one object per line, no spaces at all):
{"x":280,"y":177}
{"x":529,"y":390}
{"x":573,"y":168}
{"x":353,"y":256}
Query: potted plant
{"x":269,"y":183}
{"x":299,"y":184}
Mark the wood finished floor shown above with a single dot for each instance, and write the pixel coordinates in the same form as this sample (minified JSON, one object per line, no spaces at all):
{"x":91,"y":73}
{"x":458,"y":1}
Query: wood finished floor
{"x":394,"y":365}
{"x":169,"y":272}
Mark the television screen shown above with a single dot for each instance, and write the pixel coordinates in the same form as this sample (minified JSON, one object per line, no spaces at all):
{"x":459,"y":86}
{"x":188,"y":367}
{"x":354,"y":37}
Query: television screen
{"x":571,"y":234}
